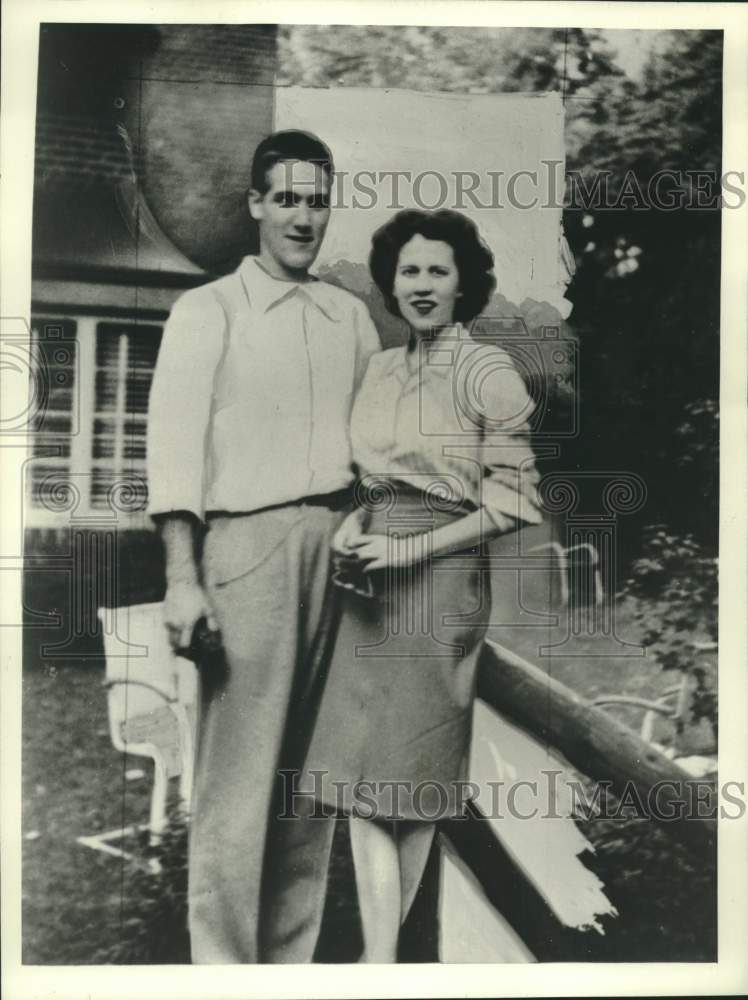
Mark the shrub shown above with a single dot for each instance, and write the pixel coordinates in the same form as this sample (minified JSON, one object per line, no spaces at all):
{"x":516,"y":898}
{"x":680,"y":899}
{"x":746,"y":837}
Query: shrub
{"x":674,"y":591}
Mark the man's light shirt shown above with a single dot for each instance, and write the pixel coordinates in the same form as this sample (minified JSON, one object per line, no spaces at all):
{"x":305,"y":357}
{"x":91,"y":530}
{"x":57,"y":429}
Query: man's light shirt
{"x":251,"y":398}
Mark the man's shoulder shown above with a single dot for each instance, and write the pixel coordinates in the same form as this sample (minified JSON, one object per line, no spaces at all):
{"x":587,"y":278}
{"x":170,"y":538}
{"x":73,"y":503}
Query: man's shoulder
{"x":345,"y":306}
{"x":342,"y":297}
{"x":211,"y":294}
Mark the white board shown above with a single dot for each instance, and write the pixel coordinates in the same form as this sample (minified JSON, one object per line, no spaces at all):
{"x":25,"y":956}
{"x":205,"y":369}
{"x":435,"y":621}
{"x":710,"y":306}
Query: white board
{"x":534,"y":822}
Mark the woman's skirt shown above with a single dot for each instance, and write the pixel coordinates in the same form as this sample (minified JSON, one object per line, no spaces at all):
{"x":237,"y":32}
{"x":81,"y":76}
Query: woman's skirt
{"x":392,"y":736}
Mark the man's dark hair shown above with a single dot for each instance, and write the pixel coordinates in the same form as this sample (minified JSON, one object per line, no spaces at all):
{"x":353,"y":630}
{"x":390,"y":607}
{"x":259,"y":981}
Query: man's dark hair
{"x":473,"y":258}
{"x":291,"y":144}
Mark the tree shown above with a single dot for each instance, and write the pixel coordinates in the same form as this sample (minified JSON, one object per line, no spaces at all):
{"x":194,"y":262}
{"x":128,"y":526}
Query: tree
{"x":467,"y":60}
{"x":647,"y":288}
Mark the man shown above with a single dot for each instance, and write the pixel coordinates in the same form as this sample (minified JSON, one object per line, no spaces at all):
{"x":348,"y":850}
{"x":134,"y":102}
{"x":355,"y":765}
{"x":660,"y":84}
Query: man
{"x":248,"y":434}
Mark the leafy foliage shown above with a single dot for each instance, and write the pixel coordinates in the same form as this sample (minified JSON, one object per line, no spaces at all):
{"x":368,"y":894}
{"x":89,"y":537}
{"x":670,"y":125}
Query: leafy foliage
{"x":665,"y":893}
{"x":646,"y":292}
{"x":675,"y":592}
{"x":464,"y":59}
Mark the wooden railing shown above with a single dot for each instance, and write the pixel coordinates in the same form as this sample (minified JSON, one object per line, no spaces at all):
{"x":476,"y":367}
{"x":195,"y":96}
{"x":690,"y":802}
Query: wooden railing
{"x":597,"y":746}
{"x":595,"y":743}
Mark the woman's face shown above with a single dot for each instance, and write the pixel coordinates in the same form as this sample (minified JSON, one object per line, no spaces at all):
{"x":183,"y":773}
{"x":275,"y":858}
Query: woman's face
{"x":427,"y":283}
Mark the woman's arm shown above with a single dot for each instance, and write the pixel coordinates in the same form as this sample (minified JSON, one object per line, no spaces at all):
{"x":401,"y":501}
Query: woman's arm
{"x":470,"y":530}
{"x":379,"y":551}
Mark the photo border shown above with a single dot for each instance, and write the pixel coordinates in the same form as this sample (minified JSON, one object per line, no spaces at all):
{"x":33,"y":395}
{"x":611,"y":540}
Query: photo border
{"x":730,"y":974}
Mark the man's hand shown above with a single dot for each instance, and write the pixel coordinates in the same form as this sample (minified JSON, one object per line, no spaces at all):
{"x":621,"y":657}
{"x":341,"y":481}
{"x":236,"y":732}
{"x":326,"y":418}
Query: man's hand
{"x":185,"y":604}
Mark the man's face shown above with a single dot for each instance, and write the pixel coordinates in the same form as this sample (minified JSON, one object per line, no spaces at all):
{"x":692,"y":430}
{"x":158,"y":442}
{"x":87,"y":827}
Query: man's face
{"x":292,"y":215}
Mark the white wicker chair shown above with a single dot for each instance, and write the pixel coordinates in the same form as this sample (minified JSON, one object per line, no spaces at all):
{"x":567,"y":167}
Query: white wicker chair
{"x":152,"y":707}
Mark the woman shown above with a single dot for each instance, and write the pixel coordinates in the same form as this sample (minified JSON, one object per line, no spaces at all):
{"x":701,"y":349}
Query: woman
{"x":439,"y":432}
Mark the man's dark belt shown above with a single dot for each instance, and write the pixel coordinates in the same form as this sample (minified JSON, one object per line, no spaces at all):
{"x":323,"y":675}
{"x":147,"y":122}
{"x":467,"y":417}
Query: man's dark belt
{"x":337,"y":500}
{"x":334,"y":501}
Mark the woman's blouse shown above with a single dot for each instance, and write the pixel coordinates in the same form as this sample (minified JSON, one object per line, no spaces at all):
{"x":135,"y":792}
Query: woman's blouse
{"x":449,"y":413}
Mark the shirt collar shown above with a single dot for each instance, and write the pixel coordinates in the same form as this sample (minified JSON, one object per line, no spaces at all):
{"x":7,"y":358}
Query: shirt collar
{"x":427,"y":355}
{"x":264,"y":291}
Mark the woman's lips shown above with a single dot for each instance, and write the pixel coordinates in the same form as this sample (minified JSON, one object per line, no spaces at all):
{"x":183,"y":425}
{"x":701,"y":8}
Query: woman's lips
{"x":423,"y":306}
{"x":301,"y":239}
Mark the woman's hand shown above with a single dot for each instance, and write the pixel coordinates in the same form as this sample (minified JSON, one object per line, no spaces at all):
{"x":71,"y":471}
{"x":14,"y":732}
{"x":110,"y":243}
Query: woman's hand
{"x":349,"y":532}
{"x":374,"y":552}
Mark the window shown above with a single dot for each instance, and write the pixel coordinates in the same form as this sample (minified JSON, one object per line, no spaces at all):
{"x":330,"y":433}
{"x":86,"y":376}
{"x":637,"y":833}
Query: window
{"x":89,"y":444}
{"x":125,"y":359}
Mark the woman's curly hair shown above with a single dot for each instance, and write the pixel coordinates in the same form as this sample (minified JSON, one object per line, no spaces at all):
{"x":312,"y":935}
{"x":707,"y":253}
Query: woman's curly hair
{"x":473,"y":258}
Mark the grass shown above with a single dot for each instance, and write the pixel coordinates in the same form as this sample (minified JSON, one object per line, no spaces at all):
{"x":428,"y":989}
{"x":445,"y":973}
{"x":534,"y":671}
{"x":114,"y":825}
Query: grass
{"x":74,"y":784}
